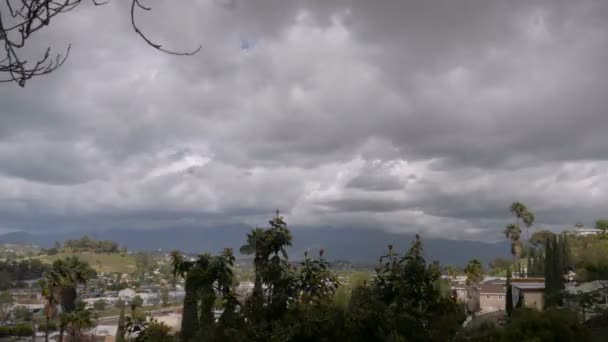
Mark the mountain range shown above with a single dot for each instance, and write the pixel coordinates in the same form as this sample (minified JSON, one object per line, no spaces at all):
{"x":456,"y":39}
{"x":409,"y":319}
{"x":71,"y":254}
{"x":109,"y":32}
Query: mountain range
{"x":355,"y":245}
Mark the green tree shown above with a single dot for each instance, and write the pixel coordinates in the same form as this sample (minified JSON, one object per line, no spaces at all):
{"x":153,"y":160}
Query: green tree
{"x":509,"y":295}
{"x":551,"y":325}
{"x":22,"y":313}
{"x":77,"y":321}
{"x":273,"y":276}
{"x":6,"y":304}
{"x":406,"y":301}
{"x":513,"y":233}
{"x":120,"y":330}
{"x":65,"y":276}
{"x":50,"y":287}
{"x":474,"y":272}
{"x":136,"y":302}
{"x":155,"y":332}
{"x":602,"y":224}
{"x":206,"y":278}
{"x":539,"y":238}
{"x":100,"y":305}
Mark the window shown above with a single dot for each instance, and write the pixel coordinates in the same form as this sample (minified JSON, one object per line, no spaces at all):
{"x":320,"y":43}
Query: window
{"x":499,"y":297}
{"x":487,"y":297}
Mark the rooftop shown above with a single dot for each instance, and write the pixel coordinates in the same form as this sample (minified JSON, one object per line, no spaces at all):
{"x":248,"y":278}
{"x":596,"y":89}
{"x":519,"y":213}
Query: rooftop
{"x":485,"y":288}
{"x":588,"y":287}
{"x":529,"y":285}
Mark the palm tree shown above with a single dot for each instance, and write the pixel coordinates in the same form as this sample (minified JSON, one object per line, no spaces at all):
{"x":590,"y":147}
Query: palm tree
{"x":49,"y":287}
{"x":255,"y":245}
{"x":523,"y":214}
{"x":67,"y":274}
{"x":513,"y":232}
{"x":267,"y":245}
{"x":77,"y":321}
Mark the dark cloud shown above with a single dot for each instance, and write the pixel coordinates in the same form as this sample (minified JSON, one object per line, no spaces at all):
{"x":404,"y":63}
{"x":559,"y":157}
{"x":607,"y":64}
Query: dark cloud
{"x":392,"y":114}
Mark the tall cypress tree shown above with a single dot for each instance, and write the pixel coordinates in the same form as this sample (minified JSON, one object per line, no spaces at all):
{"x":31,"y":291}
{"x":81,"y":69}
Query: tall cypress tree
{"x":548,"y":267}
{"x":566,"y":257}
{"x":558,"y":272}
{"x":509,"y":296}
{"x":190,"y":318}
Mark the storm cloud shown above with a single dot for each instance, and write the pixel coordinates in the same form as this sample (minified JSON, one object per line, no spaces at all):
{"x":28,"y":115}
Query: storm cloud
{"x":408,"y":116}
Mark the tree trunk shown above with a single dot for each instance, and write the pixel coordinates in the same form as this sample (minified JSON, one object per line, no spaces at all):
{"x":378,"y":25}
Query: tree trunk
{"x":61,"y":331}
{"x":46,"y":327}
{"x":68,"y":299}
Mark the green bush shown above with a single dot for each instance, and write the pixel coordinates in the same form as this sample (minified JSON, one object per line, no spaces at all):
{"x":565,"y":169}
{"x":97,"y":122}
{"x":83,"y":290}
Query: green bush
{"x":17,"y":330}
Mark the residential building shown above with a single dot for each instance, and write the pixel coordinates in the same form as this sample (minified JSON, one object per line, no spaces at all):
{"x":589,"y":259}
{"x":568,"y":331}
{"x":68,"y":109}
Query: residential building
{"x":599,"y":289}
{"x":492,"y":296}
{"x":583,"y":231}
{"x":148,"y":298}
{"x":528,"y":292}
{"x":459,"y":292}
{"x":126,"y":294}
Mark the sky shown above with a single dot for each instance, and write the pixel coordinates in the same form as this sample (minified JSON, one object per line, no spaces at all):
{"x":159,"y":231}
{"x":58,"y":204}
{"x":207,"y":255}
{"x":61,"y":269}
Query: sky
{"x":407,"y":116}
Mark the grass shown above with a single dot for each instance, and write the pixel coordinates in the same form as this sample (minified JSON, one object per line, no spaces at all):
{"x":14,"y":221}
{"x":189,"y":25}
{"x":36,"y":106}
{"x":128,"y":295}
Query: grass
{"x":101,"y":262}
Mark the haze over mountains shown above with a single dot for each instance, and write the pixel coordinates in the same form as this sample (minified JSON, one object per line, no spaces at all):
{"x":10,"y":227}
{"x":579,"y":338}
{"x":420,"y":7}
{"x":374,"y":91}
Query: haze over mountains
{"x":357,"y":245}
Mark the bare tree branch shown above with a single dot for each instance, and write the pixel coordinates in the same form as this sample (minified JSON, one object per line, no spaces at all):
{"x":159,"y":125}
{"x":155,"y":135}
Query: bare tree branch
{"x":20,"y":19}
{"x":137,"y":3}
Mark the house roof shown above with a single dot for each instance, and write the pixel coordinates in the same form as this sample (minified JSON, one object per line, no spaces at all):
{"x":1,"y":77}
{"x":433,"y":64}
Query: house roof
{"x":486,"y":288}
{"x":529,"y":286}
{"x":588,"y":287}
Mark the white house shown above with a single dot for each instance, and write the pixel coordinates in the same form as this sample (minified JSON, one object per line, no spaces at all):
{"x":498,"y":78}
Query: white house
{"x":177,"y":294}
{"x":126,"y":294}
{"x":148,"y":298}
{"x":582,"y":231}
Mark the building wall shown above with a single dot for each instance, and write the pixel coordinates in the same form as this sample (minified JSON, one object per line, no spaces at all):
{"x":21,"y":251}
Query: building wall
{"x":534,"y":299}
{"x":491,"y":301}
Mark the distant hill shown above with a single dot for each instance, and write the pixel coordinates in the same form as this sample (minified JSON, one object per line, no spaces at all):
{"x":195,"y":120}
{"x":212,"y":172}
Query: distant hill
{"x":101,"y":262}
{"x":360,"y":245}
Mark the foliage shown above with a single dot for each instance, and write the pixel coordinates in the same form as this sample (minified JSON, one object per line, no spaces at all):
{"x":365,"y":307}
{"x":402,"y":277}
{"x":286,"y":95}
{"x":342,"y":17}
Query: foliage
{"x":602,"y":224}
{"x":89,"y":244}
{"x":136,"y":302}
{"x":121,"y":329}
{"x":551,"y":325}
{"x":22,"y":313}
{"x":206,"y":278}
{"x":474,"y":272}
{"x":17,"y":271}
{"x":509,"y":294}
{"x":6,"y":303}
{"x":44,"y":327}
{"x":513,"y":231}
{"x":406,"y":299}
{"x":100,"y":305}
{"x":555,"y":267}
{"x":484,"y":332}
{"x":589,"y":257}
{"x":539,"y":238}
{"x":407,"y":292}
{"x":154,"y":332}
{"x":66,"y":274}
{"x":120,"y":304}
{"x":77,"y":321}
{"x":22,"y":330}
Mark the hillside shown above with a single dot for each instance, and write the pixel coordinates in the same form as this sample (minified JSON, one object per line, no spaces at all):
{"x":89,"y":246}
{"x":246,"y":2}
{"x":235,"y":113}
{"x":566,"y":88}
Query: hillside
{"x":101,"y":262}
{"x":357,"y":245}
